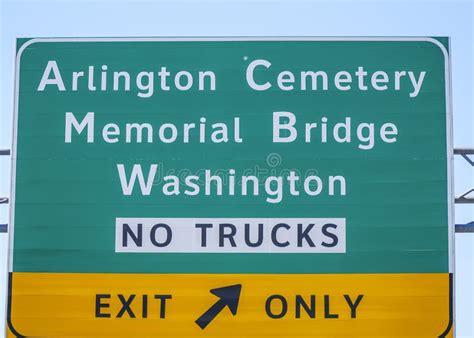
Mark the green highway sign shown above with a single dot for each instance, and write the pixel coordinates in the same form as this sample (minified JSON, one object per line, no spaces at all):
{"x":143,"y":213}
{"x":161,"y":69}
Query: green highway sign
{"x":232,"y":186}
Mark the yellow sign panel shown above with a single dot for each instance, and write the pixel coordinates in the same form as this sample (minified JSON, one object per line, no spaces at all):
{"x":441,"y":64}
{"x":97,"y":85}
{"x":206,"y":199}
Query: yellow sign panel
{"x":169,"y":305}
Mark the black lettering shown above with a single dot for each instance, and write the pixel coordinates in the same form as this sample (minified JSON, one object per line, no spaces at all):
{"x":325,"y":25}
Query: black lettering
{"x":327,"y":310}
{"x":163,"y":299}
{"x":203,"y":227}
{"x":304,"y":234}
{"x":274,"y":235}
{"x":144,"y":306}
{"x":353,"y":305}
{"x":127,"y":231}
{"x":284,"y":306}
{"x":334,"y":238}
{"x":169,"y":235}
{"x":229,"y":236}
{"x":99,"y":305}
{"x":126,"y":306}
{"x":310,"y":310}
{"x":259,"y":238}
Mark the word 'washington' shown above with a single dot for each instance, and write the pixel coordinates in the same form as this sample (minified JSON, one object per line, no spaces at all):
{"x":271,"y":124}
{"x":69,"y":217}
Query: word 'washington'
{"x":259,"y":76}
{"x":245,"y":185}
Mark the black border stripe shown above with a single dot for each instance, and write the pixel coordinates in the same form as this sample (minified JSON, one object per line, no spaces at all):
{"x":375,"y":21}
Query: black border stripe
{"x":451,"y":307}
{"x":9,"y":307}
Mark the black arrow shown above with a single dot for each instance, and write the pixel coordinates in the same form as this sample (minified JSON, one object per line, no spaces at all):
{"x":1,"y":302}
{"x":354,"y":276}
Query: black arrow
{"x":229,"y":296}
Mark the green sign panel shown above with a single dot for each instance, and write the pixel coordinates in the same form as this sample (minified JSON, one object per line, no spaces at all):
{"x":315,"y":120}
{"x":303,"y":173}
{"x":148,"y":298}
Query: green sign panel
{"x":275,"y":164}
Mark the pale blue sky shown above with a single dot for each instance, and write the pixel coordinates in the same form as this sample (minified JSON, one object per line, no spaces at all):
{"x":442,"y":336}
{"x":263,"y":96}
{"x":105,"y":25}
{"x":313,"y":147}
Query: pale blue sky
{"x":454,"y":18}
